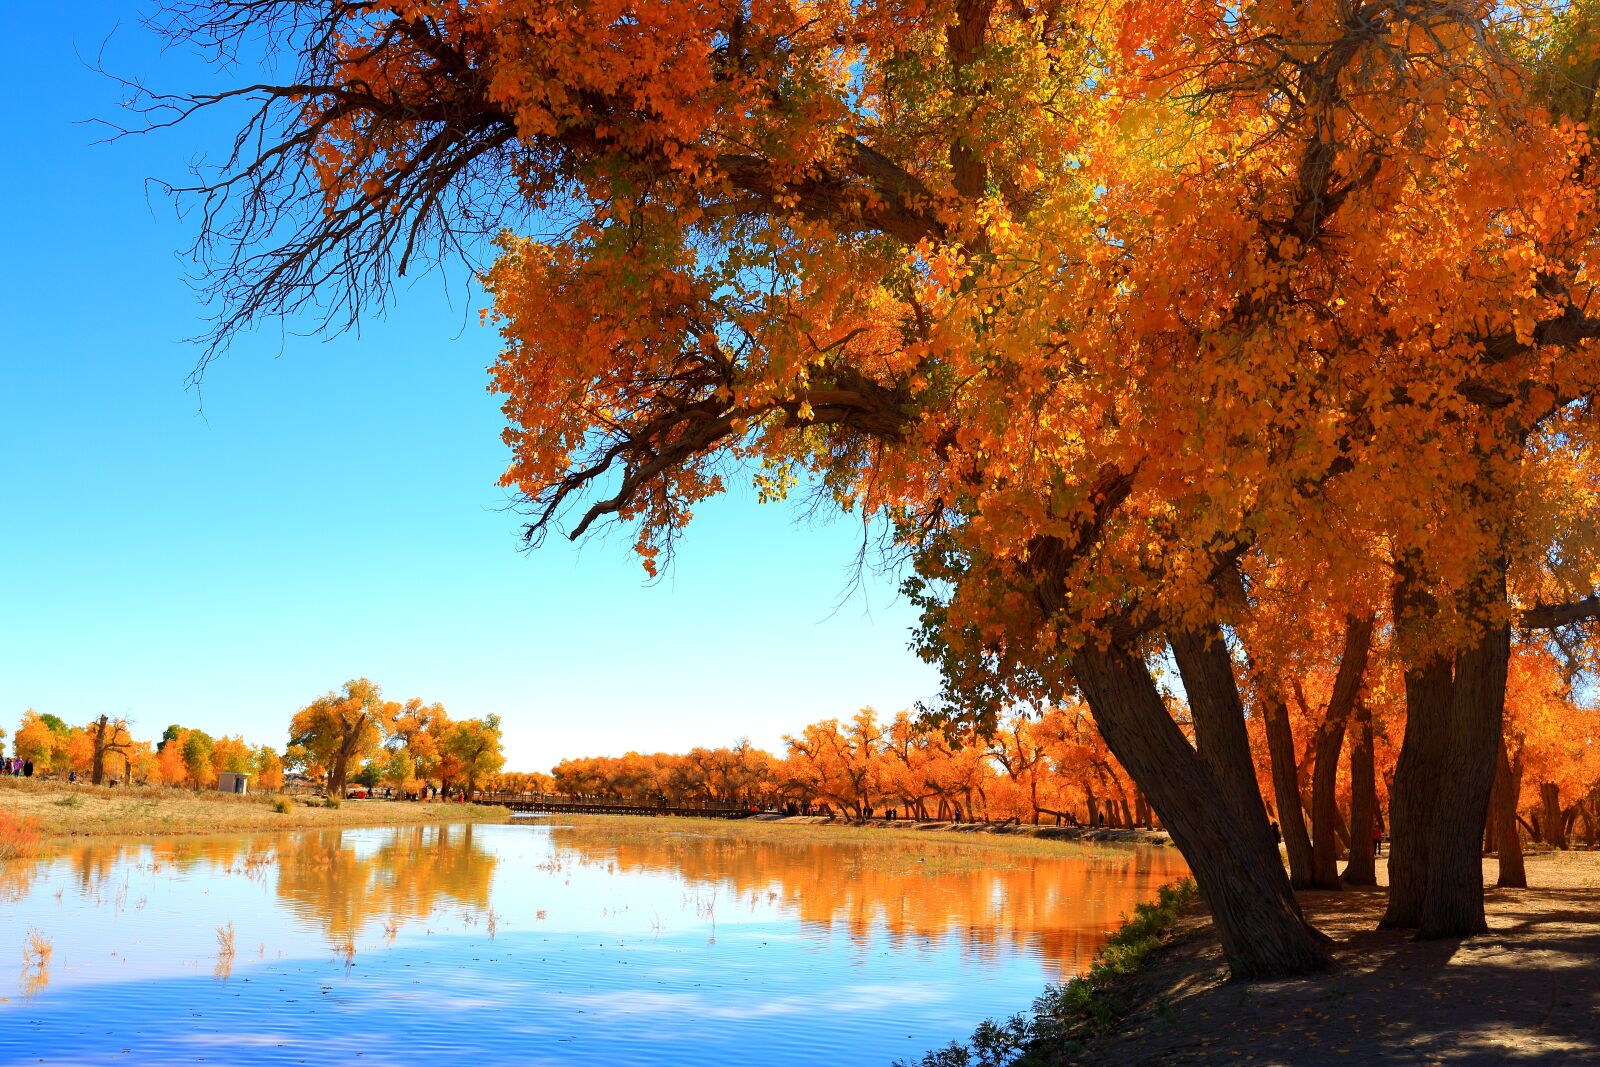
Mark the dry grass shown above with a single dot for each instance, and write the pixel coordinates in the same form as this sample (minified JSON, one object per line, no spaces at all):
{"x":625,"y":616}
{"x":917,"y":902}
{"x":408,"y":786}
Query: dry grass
{"x":921,"y":851}
{"x":155,"y":810}
{"x":224,"y":967}
{"x":19,"y":836}
{"x":36,"y":953}
{"x":37,"y":950}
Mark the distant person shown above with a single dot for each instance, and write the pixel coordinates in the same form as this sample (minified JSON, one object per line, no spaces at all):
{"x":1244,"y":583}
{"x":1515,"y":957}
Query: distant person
{"x":1277,"y":834}
{"x":72,"y":776}
{"x":27,"y":768}
{"x":1377,"y":838}
{"x":958,"y":812}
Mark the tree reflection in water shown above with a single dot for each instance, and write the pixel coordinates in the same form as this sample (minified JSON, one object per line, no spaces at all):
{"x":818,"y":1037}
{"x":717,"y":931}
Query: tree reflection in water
{"x":1060,"y":906}
{"x":345,"y":882}
{"x":350,"y":884}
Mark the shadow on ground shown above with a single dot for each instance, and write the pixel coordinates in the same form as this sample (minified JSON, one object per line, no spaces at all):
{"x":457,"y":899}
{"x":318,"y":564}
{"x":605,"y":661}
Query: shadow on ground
{"x":1527,"y":993}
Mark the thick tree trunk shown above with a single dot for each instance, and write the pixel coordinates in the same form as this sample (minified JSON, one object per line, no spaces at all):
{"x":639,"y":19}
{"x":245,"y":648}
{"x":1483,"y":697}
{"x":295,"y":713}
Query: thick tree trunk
{"x":1228,"y":849}
{"x":1286,"y":789}
{"x":1221,"y":739}
{"x":1551,"y":817}
{"x":1361,"y":868}
{"x":1453,"y":898}
{"x":1447,"y":766}
{"x":1507,"y":786}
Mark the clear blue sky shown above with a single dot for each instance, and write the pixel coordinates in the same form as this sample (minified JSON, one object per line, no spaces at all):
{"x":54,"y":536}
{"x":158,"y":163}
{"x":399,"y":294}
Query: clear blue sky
{"x":331,"y":510}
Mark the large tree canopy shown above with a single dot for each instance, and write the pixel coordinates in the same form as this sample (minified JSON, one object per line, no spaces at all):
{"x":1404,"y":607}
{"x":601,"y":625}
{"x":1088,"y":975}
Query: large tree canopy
{"x":1095,"y":302}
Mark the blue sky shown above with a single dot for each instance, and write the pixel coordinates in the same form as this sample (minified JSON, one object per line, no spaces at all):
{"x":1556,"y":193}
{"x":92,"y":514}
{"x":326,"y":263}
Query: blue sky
{"x":330,"y":509}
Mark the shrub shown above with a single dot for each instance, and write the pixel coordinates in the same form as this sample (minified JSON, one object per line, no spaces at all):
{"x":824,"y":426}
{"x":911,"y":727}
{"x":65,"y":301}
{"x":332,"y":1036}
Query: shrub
{"x":282,"y":805}
{"x":18,"y":837}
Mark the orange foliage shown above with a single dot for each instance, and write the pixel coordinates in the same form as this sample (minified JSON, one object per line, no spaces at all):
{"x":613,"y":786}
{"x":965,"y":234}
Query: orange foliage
{"x":19,"y":837}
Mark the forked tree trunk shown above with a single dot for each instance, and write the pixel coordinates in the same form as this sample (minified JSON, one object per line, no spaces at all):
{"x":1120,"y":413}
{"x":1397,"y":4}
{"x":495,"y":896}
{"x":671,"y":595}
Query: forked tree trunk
{"x":1507,"y":786}
{"x":1286,"y":789}
{"x":1330,"y":742}
{"x":1551,"y":817}
{"x":1235,"y":866}
{"x":1362,"y":868}
{"x":1447,"y":762}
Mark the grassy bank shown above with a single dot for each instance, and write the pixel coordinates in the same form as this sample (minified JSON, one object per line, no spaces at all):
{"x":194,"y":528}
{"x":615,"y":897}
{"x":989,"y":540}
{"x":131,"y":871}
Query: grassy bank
{"x":934,"y":843}
{"x":1068,"y":1015}
{"x":81,"y":810}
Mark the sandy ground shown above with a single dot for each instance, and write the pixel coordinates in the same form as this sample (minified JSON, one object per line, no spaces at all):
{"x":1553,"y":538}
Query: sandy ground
{"x":80,"y":809}
{"x":1527,"y":993}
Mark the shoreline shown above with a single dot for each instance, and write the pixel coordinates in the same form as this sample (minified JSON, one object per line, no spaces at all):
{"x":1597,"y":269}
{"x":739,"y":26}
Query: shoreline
{"x":1524,"y":992}
{"x":914,"y":837}
{"x":1041,"y":831}
{"x":62,"y":811}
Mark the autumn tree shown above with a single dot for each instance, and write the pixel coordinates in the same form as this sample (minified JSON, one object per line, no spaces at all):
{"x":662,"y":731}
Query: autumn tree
{"x":1094,"y":303}
{"x":43,"y":739}
{"x":340,"y":729}
{"x":108,"y":737}
{"x":474,"y":744}
{"x":195,"y":747}
{"x":413,"y":750}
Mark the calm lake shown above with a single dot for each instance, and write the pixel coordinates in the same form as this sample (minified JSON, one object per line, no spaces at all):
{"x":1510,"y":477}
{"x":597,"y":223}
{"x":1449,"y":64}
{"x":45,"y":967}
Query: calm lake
{"x":536,"y":943}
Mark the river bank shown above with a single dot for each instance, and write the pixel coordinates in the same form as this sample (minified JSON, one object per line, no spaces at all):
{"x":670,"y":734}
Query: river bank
{"x":61,"y":810}
{"x":1527,"y":992}
{"x":1043,"y":831}
{"x":918,"y":841}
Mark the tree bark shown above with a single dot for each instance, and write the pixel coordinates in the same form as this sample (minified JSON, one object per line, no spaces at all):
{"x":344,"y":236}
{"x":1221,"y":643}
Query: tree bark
{"x":1552,"y":818}
{"x":1491,"y":822}
{"x":1259,"y":922}
{"x":1286,"y":788}
{"x":1221,"y":738}
{"x":1586,"y":809}
{"x":1507,"y":786}
{"x":1454,"y":714}
{"x":1362,"y":868}
{"x":1330,"y":742}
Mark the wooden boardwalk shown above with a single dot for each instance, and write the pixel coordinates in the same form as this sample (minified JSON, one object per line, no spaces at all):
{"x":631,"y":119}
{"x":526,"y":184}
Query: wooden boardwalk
{"x":546,"y":803}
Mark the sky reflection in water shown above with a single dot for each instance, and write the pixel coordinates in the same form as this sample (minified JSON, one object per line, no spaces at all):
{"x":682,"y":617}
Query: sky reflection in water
{"x":535,"y":944}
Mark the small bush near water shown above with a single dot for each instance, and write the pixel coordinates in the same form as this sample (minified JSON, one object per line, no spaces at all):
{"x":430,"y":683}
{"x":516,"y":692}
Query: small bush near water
{"x":282,"y":805}
{"x":18,"y":837}
{"x":1067,"y":1014}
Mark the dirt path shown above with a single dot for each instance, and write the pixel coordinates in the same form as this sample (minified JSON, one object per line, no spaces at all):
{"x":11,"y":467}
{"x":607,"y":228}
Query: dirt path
{"x":1528,"y":993}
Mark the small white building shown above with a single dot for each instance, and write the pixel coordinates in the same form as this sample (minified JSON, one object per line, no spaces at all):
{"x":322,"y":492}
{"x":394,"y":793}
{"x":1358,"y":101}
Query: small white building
{"x":232,"y":782}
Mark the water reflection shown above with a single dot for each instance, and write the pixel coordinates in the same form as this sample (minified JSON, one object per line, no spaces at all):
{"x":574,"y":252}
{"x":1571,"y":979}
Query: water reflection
{"x":411,"y":874}
{"x":342,"y":881}
{"x":1058,"y":906}
{"x":541,"y":945}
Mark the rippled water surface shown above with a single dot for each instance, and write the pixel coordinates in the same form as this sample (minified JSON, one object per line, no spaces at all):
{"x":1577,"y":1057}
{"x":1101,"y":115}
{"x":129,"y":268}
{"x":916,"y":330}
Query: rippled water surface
{"x":540,"y":944}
